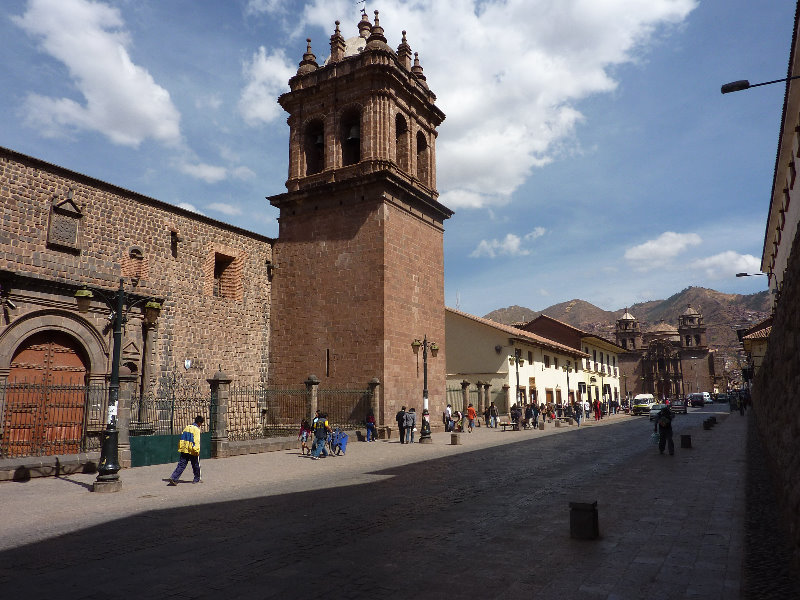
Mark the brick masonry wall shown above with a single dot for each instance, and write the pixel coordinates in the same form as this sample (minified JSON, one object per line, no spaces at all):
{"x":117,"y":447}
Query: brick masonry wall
{"x":775,"y":400}
{"x":211,"y":331}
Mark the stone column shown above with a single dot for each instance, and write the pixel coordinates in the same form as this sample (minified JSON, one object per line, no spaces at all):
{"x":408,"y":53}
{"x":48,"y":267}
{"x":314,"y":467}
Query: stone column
{"x":220,"y":385}
{"x":486,"y":401}
{"x":375,"y":403}
{"x":464,"y":395}
{"x":127,"y":387}
{"x":507,"y":390}
{"x":312,"y":385}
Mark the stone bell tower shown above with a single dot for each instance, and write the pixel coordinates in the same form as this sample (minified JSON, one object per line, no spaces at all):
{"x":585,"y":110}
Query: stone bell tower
{"x":359,"y":267}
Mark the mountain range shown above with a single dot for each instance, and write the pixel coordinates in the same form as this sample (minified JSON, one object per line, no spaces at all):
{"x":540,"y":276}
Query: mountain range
{"x":722,"y":314}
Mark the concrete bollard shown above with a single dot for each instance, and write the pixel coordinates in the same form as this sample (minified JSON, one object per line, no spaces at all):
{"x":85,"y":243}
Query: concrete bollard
{"x":455,"y":439}
{"x":541,"y":426}
{"x":686,"y":441}
{"x":557,"y":423}
{"x":583,"y":521}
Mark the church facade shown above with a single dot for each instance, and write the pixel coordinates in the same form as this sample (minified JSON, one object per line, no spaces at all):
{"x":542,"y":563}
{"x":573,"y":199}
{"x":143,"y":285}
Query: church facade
{"x":665,"y":361}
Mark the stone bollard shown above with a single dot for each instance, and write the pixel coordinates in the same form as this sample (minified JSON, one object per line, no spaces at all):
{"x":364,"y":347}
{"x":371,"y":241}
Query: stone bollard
{"x":571,"y":422}
{"x":713,"y":420}
{"x":557,"y":423}
{"x":707,"y":425}
{"x":686,"y":441}
{"x":583,"y":521}
{"x":541,"y":426}
{"x":455,"y":439}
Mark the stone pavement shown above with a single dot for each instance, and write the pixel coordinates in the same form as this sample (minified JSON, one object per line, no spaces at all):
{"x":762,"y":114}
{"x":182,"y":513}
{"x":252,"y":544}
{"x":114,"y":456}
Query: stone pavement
{"x":485,"y":519}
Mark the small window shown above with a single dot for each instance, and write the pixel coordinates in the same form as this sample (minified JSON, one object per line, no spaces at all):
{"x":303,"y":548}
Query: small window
{"x":546,"y":361}
{"x":530,"y":357}
{"x":697,"y":340}
{"x":224,"y":277}
{"x":555,"y":362}
{"x":401,"y":142}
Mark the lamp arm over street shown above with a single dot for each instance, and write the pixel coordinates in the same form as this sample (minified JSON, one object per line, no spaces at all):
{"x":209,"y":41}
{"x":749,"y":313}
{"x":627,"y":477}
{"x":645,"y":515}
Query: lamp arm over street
{"x":744,"y":84}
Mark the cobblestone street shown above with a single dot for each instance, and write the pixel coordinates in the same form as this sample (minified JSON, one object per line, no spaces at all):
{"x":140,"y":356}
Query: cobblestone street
{"x":486,"y":519}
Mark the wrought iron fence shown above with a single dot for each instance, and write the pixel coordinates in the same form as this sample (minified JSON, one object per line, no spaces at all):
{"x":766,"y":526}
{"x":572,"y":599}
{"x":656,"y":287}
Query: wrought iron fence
{"x":257,"y":412}
{"x":346,"y":409}
{"x":42,"y":420}
{"x":169,"y":408}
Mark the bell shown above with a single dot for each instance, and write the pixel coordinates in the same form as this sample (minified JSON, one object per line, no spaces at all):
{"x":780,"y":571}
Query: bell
{"x":354,"y":133}
{"x":318,"y":141}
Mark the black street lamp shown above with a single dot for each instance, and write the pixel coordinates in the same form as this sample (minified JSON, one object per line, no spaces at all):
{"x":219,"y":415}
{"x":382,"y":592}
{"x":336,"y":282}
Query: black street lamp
{"x":743,"y":84}
{"x":425,"y":429}
{"x":108,"y":477}
{"x":518,"y":361}
{"x":567,"y":370}
{"x":751,"y":274}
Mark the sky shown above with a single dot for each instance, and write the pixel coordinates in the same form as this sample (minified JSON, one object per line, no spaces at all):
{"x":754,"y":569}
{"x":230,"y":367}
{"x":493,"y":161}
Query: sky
{"x":587,"y":150}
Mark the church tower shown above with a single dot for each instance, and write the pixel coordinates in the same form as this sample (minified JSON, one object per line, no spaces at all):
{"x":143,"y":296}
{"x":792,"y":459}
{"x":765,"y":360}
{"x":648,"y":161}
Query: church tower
{"x":628,"y":332}
{"x":691,"y":329}
{"x":359,"y":265}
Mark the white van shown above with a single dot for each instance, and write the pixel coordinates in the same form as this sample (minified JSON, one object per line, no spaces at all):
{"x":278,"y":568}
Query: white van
{"x":642,"y":403}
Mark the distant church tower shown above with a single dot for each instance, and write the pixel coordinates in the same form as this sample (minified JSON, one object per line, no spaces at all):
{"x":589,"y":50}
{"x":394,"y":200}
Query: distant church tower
{"x":691,"y":329}
{"x":359,"y":266}
{"x":628,"y":332}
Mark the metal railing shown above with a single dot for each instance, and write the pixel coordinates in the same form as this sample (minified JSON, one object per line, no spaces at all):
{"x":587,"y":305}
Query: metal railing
{"x":256,"y":412}
{"x":346,"y":409}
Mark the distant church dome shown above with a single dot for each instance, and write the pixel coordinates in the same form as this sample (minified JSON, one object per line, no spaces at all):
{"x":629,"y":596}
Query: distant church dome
{"x":690,"y":312}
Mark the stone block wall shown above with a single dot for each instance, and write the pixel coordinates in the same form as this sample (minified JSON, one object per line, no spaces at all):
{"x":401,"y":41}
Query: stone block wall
{"x":776,"y":401}
{"x":60,"y":230}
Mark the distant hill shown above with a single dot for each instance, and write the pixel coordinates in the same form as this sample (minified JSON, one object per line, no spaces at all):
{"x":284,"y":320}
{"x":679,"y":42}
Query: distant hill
{"x":722,"y":314}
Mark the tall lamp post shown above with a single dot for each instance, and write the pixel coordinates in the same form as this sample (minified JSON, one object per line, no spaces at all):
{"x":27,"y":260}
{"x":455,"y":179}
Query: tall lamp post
{"x":743,"y":84}
{"x":567,"y":370}
{"x":425,"y":430}
{"x":518,"y":361}
{"x":108,"y":476}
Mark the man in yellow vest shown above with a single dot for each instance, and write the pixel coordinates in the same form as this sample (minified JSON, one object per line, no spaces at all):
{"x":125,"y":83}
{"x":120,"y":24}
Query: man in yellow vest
{"x":189,"y":448}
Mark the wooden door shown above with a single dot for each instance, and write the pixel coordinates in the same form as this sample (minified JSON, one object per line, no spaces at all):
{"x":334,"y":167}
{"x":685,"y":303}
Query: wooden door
{"x":46,"y":397}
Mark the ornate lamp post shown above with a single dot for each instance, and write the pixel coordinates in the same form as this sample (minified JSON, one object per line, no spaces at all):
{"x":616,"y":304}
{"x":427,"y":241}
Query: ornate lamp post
{"x":519,"y":362}
{"x":425,"y":429}
{"x":567,"y":370}
{"x":108,"y":477}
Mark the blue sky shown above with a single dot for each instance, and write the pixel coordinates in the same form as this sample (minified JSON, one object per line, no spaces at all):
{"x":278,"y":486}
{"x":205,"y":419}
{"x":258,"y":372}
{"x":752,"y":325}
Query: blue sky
{"x":587,"y":150}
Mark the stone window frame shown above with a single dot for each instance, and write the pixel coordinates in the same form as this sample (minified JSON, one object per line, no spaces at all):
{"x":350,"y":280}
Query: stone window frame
{"x":65,"y":213}
{"x":351,"y":148}
{"x":223,"y":273}
{"x":314,"y":145}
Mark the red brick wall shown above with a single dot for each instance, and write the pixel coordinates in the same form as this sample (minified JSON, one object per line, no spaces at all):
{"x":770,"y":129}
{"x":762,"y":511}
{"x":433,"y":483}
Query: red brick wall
{"x":228,"y":331}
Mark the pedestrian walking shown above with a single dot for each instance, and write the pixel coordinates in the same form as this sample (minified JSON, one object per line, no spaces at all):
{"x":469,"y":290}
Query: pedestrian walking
{"x":189,"y":449}
{"x":303,"y":436}
{"x":447,"y":416}
{"x":578,"y":413}
{"x":535,"y":415}
{"x":472,"y":414}
{"x":493,"y":415}
{"x":400,"y":417}
{"x":370,"y":422}
{"x":528,"y":416}
{"x":410,"y":422}
{"x":321,"y":431}
{"x":664,"y":428}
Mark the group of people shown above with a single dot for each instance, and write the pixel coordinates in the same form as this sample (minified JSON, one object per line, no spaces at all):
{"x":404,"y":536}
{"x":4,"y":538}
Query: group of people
{"x":406,"y":424}
{"x":458,"y":421}
{"x":317,"y":433}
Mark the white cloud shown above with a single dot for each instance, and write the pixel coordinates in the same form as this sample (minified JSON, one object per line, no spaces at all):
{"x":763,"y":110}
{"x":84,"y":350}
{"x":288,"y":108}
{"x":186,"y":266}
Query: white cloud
{"x":207,"y":173}
{"x":267,"y":75}
{"x":725,"y":265}
{"x":511,"y":245}
{"x":121,"y":99}
{"x":226,"y":209}
{"x":536,"y":233}
{"x":508,"y":73}
{"x":188,"y":206}
{"x":657,"y":252}
{"x":265,"y":6}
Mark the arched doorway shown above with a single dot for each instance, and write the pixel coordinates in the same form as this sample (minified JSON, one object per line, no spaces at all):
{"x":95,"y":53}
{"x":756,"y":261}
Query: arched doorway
{"x":45,"y":399}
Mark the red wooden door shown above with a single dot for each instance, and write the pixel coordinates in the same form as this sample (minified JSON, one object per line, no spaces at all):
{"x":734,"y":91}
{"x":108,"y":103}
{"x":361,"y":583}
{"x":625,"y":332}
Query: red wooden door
{"x":45,"y":397}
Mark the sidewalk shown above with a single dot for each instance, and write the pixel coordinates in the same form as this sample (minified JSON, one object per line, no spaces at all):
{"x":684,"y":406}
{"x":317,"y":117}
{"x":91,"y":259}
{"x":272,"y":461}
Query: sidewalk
{"x":670,"y":527}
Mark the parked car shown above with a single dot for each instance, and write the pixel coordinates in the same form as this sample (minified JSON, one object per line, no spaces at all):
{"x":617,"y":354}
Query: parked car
{"x":678,"y":405}
{"x":707,"y":398}
{"x":722,"y":398}
{"x":696,"y":400}
{"x":655,"y":409}
{"x":642,"y":404}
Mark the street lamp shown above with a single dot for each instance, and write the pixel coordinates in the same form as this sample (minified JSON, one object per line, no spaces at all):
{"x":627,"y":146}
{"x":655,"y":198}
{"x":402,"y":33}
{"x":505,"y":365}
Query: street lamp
{"x":518,"y":361}
{"x":108,"y":477}
{"x":751,"y":274}
{"x":743,"y":84}
{"x":425,"y":429}
{"x":567,"y":370}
